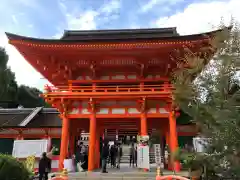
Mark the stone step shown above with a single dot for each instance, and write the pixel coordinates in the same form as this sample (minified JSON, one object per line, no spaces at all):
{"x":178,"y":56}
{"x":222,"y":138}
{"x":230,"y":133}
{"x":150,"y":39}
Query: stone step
{"x":120,"y":175}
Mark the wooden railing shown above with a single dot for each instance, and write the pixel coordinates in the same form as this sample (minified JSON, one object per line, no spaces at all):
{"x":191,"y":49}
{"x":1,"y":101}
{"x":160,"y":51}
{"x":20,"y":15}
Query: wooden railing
{"x":108,"y":89}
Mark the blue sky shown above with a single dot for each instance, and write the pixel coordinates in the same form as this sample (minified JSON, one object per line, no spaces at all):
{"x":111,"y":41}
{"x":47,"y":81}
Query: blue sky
{"x":45,"y":18}
{"x":49,"y":18}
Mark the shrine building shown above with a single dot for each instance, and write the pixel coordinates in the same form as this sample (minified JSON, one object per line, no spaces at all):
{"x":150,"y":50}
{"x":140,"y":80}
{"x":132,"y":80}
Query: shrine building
{"x":115,"y":80}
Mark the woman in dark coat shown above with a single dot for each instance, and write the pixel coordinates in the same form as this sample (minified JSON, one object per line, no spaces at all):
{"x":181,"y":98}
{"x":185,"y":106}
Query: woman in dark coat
{"x":44,"y":167}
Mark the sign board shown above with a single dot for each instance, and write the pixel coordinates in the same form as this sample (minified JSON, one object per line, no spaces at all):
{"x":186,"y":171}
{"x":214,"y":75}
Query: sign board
{"x":157,"y":152}
{"x":143,"y":157}
{"x":200,"y":144}
{"x":26,"y":148}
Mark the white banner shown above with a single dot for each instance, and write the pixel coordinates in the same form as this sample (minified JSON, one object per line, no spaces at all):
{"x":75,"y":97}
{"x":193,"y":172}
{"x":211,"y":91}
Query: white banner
{"x":143,"y":157}
{"x":25,"y":148}
{"x":68,"y":164}
{"x":157,"y":151}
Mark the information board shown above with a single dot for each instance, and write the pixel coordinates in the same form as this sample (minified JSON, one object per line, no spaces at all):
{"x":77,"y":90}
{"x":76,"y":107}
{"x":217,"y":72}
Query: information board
{"x":157,"y":152}
{"x":26,"y":148}
{"x":143,"y":157}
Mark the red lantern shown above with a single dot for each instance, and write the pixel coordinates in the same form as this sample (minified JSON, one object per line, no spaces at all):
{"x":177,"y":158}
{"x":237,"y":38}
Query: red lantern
{"x":177,"y":108}
{"x":177,"y":114}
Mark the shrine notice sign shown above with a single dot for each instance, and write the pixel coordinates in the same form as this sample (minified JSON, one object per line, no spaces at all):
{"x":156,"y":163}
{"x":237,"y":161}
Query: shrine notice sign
{"x":143,"y":157}
{"x":26,"y":148}
{"x":157,"y":151}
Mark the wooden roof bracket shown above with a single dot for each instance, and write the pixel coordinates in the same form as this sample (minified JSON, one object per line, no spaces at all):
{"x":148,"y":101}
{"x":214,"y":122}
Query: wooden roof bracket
{"x":93,"y":69}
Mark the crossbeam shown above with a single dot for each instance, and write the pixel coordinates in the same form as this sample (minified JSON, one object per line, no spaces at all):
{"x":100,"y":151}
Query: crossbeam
{"x":107,"y":92}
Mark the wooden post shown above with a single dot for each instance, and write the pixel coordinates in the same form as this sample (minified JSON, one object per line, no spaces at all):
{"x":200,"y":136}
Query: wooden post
{"x":173,"y":138}
{"x":92,"y":142}
{"x":144,"y":129}
{"x":64,"y":141}
{"x":72,"y":143}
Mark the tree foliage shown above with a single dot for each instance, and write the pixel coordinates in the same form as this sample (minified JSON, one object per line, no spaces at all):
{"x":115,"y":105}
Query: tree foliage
{"x":30,"y":97}
{"x":10,"y":94}
{"x":212,"y":99}
{"x":11,"y":168}
{"x":8,"y":85}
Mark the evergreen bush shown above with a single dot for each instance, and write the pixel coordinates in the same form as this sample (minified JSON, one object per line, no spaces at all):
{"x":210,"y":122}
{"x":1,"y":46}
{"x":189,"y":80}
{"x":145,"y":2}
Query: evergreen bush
{"x":12,"y":169}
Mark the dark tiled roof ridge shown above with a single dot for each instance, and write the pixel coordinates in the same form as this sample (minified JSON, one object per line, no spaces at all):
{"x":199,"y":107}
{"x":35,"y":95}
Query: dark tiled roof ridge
{"x":25,"y":110}
{"x":147,"y":35}
{"x":110,"y":31}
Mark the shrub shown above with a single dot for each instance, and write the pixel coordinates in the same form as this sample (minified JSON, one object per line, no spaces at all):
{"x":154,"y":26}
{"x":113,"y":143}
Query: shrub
{"x":12,"y":169}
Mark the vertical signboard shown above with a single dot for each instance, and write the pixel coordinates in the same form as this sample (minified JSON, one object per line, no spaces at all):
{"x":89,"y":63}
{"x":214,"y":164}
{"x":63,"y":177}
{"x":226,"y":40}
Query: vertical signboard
{"x":157,"y":152}
{"x":143,"y":157}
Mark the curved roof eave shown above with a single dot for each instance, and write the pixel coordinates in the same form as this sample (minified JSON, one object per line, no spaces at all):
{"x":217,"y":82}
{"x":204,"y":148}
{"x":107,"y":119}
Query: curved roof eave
{"x":59,"y":41}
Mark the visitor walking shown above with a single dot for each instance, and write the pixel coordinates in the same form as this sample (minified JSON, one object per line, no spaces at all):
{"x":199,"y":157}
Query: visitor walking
{"x":78,"y":156}
{"x":119,"y":155}
{"x":83,"y":157}
{"x":105,"y":155}
{"x":132,"y":155}
{"x":44,"y":167}
{"x":135,"y":157}
{"x":113,"y":154}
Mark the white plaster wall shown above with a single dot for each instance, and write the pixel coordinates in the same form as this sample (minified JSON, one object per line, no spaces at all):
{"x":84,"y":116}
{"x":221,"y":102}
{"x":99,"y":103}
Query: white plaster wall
{"x":133,"y":111}
{"x":152,"y":111}
{"x":118,"y":77}
{"x":118,"y":111}
{"x":103,"y":111}
{"x":85,"y":111}
{"x":104,"y":78}
{"x":133,"y":76}
{"x":9,"y":131}
{"x":163,"y":111}
{"x":34,"y":131}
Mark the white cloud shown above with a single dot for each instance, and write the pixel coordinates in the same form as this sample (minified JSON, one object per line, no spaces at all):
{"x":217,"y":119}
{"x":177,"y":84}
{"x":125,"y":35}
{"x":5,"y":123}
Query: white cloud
{"x":111,"y":7}
{"x":152,"y":3}
{"x":85,"y":21}
{"x":201,"y":17}
{"x":88,"y":20}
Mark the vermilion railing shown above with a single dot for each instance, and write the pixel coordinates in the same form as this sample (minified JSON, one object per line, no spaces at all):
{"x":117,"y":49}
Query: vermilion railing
{"x":106,"y":89}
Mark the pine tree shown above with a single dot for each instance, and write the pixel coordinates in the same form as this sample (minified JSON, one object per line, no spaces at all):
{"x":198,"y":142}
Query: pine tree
{"x":212,"y":99}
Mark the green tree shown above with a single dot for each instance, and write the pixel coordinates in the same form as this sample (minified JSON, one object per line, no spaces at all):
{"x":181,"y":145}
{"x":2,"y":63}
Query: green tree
{"x":30,"y":97}
{"x":10,"y":94}
{"x":11,"y":168}
{"x":8,"y":84}
{"x":212,"y":99}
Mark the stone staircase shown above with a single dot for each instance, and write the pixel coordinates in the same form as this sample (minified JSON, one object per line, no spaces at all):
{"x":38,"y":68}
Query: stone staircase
{"x":126,"y":155}
{"x":121,"y":175}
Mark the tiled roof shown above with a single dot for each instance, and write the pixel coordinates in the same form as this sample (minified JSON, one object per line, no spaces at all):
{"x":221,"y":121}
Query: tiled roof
{"x":48,"y":117}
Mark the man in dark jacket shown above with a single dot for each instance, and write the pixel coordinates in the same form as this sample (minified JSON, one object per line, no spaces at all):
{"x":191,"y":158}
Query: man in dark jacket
{"x":119,"y":155}
{"x":44,"y":167}
{"x":105,"y":154}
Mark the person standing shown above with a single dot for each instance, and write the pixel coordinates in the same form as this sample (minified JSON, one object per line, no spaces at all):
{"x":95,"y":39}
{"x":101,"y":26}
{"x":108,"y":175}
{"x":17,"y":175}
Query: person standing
{"x":132,"y":155}
{"x":105,"y":154}
{"x":113,"y":155}
{"x":78,"y":156}
{"x":135,"y":157}
{"x":44,"y":167}
{"x":119,"y":155}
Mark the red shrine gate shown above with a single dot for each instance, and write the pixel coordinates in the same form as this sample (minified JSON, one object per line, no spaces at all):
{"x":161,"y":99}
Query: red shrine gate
{"x":113,"y":79}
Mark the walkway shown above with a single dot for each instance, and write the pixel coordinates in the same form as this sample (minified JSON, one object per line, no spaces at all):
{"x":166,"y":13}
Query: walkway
{"x":125,"y":173}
